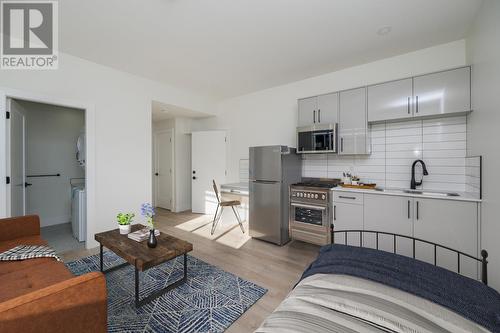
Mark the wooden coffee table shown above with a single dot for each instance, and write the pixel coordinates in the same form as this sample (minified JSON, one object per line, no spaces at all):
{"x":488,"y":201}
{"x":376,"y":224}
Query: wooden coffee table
{"x":139,"y":255}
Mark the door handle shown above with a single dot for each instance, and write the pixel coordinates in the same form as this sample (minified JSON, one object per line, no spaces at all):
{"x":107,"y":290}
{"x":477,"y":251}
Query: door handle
{"x":416,"y":104}
{"x":334,"y":212}
{"x":408,"y":105}
{"x":418,"y":210}
{"x":156,"y":174}
{"x":408,"y":208}
{"x":344,"y":197}
{"x":341,"y":144}
{"x":314,"y":116}
{"x":26,"y":184}
{"x":319,"y":115}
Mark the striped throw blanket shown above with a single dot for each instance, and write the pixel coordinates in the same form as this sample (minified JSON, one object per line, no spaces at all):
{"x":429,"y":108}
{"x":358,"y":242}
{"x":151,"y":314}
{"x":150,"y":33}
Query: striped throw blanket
{"x":22,"y":252}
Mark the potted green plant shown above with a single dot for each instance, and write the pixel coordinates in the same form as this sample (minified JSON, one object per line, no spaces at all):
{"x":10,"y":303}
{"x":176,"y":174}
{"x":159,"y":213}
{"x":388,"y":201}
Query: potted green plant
{"x":124,"y":221}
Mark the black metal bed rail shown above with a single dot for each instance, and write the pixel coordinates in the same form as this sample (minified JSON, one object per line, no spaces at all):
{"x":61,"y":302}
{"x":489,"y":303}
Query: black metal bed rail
{"x":483,"y":259}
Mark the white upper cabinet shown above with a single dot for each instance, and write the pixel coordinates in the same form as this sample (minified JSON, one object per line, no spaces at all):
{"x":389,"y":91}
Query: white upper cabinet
{"x":307,"y":111}
{"x":323,"y":109}
{"x":443,"y":92}
{"x":391,"y":100}
{"x":328,"y":108}
{"x":422,"y":96}
{"x":353,"y":126}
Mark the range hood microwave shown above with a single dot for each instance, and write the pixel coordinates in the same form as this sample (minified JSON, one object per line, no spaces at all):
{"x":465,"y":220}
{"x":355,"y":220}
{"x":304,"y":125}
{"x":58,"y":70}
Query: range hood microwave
{"x":319,"y":138}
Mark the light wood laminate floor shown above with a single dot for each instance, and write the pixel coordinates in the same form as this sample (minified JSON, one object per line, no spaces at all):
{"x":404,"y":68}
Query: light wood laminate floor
{"x":273,"y":267}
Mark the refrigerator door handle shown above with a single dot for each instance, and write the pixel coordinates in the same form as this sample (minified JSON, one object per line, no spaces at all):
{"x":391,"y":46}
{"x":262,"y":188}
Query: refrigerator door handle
{"x":265,"y":181}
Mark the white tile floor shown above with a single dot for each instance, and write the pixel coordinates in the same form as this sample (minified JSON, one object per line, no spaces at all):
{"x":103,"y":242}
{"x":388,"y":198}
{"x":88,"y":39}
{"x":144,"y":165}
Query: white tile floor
{"x":60,"y":238}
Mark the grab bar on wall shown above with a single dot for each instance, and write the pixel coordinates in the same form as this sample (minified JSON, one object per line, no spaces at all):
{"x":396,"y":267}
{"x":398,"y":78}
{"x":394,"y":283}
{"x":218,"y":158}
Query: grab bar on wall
{"x":48,"y":175}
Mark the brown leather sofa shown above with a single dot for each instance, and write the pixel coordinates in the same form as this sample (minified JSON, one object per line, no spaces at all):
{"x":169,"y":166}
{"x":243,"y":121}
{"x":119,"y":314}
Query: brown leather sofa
{"x":42,"y":295}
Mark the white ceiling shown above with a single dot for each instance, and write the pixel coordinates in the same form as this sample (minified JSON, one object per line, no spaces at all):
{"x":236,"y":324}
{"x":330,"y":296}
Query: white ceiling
{"x":225,"y":48}
{"x":162,"y":111}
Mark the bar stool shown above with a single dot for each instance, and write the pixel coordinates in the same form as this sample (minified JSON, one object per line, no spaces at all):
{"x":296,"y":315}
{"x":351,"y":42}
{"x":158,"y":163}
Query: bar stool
{"x":221,"y":204}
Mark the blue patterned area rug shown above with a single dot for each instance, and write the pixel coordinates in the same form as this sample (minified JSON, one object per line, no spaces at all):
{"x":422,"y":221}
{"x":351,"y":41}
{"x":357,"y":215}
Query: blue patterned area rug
{"x":210,"y":300}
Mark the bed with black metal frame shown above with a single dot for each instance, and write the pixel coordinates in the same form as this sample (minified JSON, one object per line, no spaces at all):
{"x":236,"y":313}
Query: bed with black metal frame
{"x":351,"y":288}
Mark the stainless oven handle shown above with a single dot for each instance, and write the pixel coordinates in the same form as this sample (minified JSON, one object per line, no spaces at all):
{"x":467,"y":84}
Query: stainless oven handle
{"x":307,"y":206}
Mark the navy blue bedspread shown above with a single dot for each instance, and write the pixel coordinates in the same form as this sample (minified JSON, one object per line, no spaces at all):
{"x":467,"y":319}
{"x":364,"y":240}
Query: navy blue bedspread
{"x":467,"y":297}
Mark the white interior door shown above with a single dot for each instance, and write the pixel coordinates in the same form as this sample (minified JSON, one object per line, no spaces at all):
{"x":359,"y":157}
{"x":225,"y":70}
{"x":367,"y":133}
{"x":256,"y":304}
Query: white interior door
{"x":208,"y":150}
{"x":164,"y":169}
{"x":17,"y":163}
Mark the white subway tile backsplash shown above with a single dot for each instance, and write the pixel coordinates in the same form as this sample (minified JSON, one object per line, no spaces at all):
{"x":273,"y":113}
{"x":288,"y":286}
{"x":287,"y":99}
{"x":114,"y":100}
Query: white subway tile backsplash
{"x":445,"y":129}
{"x":445,"y":145}
{"x":461,"y":136}
{"x":441,"y":143}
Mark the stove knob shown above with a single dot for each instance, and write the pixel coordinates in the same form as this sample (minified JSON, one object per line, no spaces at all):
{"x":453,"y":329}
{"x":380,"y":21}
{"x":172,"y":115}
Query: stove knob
{"x":315,"y":196}
{"x":301,"y":194}
{"x":308,"y":195}
{"x":323,"y":197}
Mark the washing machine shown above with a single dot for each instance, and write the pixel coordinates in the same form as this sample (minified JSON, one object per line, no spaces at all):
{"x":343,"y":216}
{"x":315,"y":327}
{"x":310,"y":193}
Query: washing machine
{"x":79,"y":212}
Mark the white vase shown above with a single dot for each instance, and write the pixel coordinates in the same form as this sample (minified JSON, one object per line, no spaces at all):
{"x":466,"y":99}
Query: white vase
{"x":124,"y":229}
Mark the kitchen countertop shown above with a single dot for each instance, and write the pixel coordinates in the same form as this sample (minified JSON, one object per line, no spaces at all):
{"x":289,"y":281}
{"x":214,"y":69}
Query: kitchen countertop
{"x":237,"y":188}
{"x":462,"y":196}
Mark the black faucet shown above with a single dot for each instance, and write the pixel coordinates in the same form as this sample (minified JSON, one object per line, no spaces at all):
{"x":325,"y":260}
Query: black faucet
{"x":414,"y":184}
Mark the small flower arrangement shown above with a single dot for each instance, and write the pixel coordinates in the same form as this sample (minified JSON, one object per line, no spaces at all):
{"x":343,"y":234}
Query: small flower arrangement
{"x":148,"y":211}
{"x":124,"y":220}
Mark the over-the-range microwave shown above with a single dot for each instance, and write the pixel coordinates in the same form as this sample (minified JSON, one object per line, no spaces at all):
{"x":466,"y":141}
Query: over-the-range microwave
{"x":319,"y":138}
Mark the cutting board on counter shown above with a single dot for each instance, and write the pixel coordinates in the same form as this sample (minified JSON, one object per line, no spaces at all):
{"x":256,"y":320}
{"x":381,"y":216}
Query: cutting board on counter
{"x":360,"y":187}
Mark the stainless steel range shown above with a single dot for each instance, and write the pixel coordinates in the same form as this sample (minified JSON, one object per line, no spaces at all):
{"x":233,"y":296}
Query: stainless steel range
{"x":311,"y":210}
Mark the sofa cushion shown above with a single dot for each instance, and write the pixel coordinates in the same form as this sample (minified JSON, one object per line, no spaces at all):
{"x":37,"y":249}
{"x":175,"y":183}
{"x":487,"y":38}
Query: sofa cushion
{"x":12,"y":266}
{"x":32,"y":278}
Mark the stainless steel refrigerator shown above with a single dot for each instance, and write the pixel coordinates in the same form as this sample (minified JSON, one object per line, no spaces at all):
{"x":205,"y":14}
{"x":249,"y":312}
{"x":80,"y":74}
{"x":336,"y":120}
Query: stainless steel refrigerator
{"x":272,"y":170}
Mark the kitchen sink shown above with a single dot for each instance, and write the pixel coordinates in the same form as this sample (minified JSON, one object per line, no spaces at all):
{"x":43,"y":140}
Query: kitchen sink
{"x":418,"y":192}
{"x":444,"y":194}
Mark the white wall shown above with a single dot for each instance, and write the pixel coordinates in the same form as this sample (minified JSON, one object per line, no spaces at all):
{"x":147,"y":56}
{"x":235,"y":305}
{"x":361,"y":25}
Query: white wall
{"x":119,"y":128}
{"x":182,"y":160}
{"x":270,"y":116}
{"x":51,"y":134}
{"x":183,"y":164}
{"x":483,"y":49}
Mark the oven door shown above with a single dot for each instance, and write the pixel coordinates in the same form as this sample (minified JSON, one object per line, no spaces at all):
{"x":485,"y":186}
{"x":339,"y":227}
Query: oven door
{"x":310,"y":215}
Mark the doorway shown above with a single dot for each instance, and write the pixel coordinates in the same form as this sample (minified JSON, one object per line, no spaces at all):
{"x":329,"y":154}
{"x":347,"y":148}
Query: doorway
{"x":46,"y":161}
{"x":208,"y":163}
{"x":164,"y":168}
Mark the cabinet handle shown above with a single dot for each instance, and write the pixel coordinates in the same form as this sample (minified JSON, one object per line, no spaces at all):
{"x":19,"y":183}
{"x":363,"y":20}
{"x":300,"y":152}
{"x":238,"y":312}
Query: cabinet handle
{"x":341,"y":144}
{"x":408,"y":209}
{"x":344,"y":197}
{"x":417,"y":210}
{"x":408,"y":105}
{"x":334,"y":213}
{"x":314,"y":116}
{"x":416,"y":104}
{"x":319,"y":115}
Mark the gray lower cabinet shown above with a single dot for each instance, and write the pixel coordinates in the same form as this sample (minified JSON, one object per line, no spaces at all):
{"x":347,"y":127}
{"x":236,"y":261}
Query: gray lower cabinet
{"x":347,"y":217}
{"x":451,"y":223}
{"x":442,"y":93}
{"x":391,"y":100}
{"x":353,"y":126}
{"x":393,"y":214}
